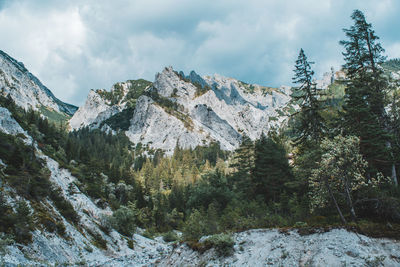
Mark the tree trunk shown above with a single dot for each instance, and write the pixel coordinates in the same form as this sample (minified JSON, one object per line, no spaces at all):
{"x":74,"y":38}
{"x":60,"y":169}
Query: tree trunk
{"x":335,"y":202}
{"x":394,"y":175}
{"x":350,"y":203}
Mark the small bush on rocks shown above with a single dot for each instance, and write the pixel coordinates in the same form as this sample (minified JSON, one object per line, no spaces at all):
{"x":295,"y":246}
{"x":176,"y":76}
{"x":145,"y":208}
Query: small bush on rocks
{"x":223,"y":244}
{"x":170,"y":236}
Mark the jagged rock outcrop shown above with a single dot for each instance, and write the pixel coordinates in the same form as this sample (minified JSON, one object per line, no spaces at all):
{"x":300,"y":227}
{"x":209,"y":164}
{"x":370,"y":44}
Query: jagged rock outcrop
{"x":95,"y":110}
{"x":26,"y":90}
{"x":100,"y":105}
{"x":329,"y":78}
{"x":190,"y":111}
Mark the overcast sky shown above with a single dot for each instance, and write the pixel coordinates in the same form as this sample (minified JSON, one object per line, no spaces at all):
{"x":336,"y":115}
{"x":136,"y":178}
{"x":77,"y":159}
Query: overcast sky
{"x":73,"y":46}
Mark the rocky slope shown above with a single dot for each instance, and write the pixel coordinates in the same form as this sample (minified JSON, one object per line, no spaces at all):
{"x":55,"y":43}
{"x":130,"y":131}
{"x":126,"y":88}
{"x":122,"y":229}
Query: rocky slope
{"x":264,"y":247}
{"x":26,"y":90}
{"x":78,"y":244}
{"x":188,"y":110}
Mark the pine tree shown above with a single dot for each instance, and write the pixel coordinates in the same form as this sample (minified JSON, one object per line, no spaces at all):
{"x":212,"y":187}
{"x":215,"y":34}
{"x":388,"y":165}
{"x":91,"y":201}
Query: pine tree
{"x":364,"y":100}
{"x":311,"y":123}
{"x":271,"y":169}
{"x":243,"y":162}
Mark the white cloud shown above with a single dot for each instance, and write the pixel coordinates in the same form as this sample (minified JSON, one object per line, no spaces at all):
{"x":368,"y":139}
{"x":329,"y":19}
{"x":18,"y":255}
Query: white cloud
{"x":393,"y":50}
{"x":46,"y":43}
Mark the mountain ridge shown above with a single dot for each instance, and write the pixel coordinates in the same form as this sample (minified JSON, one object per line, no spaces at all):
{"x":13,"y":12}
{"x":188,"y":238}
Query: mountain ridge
{"x":26,"y":89}
{"x":192,"y":110}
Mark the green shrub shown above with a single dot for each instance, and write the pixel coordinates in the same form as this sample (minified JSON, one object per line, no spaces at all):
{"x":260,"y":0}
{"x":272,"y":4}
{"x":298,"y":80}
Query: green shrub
{"x":5,"y":240}
{"x":149,"y":233}
{"x":130,"y":244}
{"x":98,"y":240}
{"x":223,"y":244}
{"x":195,"y":227}
{"x":124,"y":219}
{"x":170,"y":236}
{"x":60,"y":227}
{"x":23,"y":223}
{"x":63,"y":206}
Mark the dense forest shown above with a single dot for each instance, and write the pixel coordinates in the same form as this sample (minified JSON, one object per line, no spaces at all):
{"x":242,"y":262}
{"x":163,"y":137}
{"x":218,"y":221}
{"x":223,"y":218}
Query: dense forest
{"x":333,"y":164}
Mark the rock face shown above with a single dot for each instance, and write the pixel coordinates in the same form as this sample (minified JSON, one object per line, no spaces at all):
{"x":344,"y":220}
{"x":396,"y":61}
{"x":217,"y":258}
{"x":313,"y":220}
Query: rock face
{"x":8,"y":125}
{"x":26,"y":90}
{"x":271,"y":248}
{"x":329,"y":77}
{"x":95,"y":110}
{"x":190,"y":111}
{"x":100,"y":105}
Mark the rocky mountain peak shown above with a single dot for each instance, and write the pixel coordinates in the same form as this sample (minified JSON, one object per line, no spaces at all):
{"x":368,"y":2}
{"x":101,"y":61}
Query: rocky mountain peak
{"x":190,"y":110}
{"x":26,"y":90}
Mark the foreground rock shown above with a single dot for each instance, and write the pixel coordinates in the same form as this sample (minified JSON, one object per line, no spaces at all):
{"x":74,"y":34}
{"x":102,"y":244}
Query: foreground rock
{"x":273,"y":248}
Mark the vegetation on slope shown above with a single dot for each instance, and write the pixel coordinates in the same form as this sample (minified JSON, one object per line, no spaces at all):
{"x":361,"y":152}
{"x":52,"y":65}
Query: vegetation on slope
{"x":339,"y":173}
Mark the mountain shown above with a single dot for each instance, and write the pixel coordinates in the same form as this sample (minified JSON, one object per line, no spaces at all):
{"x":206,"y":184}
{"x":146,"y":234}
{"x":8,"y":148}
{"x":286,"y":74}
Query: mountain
{"x":79,"y":199}
{"x":27,"y":91}
{"x":185,"y":110}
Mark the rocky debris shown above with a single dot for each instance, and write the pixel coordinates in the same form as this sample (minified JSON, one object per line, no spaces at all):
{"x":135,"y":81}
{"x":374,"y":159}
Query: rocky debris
{"x":264,"y":247}
{"x":25,"y":89}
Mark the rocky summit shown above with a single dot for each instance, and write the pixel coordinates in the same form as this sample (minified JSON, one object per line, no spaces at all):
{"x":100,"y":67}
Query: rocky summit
{"x":27,"y":91}
{"x":185,"y":110}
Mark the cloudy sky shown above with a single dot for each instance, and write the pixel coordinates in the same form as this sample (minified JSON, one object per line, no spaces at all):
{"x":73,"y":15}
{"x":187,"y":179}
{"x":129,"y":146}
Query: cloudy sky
{"x":73,"y":46}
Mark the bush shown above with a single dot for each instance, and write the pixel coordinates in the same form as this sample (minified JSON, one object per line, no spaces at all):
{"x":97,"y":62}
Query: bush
{"x":130,"y":244}
{"x":223,"y":244}
{"x":5,"y":240}
{"x":63,"y":206}
{"x":195,"y":227}
{"x":23,"y":225}
{"x":98,"y":240}
{"x":124,"y":219}
{"x":170,"y":236}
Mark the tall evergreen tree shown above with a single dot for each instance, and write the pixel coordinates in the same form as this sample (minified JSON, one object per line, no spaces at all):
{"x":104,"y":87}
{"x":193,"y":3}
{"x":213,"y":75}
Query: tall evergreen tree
{"x":244,"y":165}
{"x":271,"y":169}
{"x":364,"y":100}
{"x":311,"y":123}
